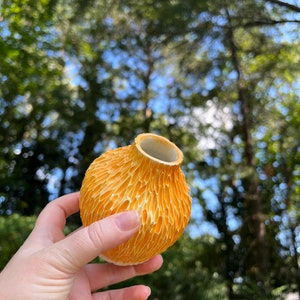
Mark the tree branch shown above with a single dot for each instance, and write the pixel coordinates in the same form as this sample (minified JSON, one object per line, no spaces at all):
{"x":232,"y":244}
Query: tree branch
{"x":267,"y":22}
{"x":287,"y":5}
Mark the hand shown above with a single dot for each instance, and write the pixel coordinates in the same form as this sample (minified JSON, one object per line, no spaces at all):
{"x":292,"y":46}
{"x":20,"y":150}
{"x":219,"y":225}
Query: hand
{"x":51,"y":266}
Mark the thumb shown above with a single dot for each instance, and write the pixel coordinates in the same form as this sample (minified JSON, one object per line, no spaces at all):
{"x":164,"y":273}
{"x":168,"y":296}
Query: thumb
{"x":78,"y":249}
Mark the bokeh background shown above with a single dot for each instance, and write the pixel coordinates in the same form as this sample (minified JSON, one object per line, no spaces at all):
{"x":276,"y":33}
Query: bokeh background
{"x":218,"y":78}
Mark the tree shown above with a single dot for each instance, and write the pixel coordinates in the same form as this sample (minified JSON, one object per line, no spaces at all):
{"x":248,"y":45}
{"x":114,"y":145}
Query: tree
{"x":217,"y":78}
{"x":234,"y":52}
{"x":34,"y":96}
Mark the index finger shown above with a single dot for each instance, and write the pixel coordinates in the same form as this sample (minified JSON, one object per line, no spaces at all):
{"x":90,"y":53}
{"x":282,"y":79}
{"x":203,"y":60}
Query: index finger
{"x":53,"y":216}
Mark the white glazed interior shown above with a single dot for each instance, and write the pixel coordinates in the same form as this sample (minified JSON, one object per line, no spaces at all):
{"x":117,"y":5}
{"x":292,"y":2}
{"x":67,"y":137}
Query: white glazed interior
{"x":165,"y":152}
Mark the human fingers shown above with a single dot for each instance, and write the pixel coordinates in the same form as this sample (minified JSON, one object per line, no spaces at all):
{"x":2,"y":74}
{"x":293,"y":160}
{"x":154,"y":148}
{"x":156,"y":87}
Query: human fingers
{"x":52,"y":219}
{"x":76,"y":250}
{"x":56,"y":212}
{"x":50,"y":223}
{"x":137,"y":292}
{"x":115,"y":274}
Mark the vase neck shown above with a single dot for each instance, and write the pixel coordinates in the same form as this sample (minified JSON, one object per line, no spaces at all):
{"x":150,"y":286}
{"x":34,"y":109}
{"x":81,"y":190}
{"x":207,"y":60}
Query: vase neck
{"x":159,"y":149}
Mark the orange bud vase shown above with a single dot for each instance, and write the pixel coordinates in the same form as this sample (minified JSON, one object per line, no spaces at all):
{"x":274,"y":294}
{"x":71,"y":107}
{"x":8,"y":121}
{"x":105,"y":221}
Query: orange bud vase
{"x":147,"y":177}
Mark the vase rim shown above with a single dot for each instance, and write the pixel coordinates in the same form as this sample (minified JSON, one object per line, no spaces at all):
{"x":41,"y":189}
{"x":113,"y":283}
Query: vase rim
{"x":159,"y":149}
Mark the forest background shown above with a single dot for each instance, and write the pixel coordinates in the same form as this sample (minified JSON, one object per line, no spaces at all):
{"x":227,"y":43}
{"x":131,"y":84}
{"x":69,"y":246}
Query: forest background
{"x":218,"y":78}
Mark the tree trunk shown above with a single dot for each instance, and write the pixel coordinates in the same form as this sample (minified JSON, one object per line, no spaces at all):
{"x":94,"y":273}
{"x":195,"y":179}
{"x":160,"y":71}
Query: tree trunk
{"x":254,"y":230}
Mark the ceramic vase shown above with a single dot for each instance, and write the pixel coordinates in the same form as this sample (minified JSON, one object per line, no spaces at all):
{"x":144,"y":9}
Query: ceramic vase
{"x":147,"y":177}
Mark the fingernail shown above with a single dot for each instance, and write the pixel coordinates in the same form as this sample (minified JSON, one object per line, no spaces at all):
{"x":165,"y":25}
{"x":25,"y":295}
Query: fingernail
{"x":149,"y":292}
{"x":127,"y":220}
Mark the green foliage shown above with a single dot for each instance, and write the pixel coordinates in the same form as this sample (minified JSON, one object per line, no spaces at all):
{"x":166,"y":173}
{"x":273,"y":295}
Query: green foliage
{"x":188,"y":272}
{"x":13,"y":232}
{"x":218,"y":78}
{"x":35,"y":106}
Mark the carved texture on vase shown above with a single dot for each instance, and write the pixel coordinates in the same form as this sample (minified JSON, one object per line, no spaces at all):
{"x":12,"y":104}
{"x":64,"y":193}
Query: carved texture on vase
{"x":125,"y":179}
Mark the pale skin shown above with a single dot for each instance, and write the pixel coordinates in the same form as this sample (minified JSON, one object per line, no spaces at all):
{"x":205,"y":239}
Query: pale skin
{"x":50,"y":266}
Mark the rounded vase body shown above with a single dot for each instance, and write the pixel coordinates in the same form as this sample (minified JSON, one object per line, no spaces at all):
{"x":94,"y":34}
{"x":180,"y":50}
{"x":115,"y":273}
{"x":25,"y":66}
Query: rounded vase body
{"x":146,"y":177}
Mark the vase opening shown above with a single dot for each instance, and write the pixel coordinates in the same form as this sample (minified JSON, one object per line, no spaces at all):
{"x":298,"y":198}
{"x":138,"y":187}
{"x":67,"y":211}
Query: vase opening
{"x":161,"y":149}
